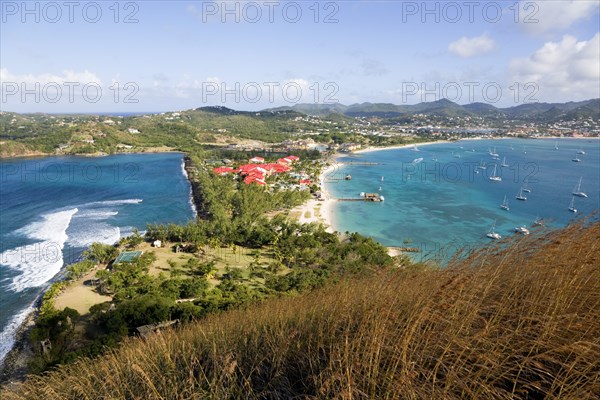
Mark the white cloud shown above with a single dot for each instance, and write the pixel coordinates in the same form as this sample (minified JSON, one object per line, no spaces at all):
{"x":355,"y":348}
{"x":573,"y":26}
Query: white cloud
{"x":469,"y":47}
{"x":81,"y":78}
{"x":568,"y":69}
{"x":373,"y":68}
{"x":555,"y":15}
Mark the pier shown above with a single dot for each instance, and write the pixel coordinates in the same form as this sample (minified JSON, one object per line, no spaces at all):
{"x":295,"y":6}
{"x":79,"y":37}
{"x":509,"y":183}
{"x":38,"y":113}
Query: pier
{"x":372,"y":197}
{"x":359,"y":163}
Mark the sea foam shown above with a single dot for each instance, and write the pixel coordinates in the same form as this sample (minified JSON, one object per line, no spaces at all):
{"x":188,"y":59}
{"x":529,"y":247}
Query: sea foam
{"x":7,"y":336}
{"x":38,"y":262}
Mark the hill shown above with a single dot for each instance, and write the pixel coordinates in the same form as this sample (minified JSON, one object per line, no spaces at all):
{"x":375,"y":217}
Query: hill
{"x":530,"y":112}
{"x":521,"y":320}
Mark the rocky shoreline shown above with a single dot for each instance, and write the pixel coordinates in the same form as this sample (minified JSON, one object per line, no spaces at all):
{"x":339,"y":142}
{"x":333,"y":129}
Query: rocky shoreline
{"x":14,"y":367}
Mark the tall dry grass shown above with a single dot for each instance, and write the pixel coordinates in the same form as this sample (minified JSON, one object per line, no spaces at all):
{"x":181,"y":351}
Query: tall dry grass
{"x":516,"y":322}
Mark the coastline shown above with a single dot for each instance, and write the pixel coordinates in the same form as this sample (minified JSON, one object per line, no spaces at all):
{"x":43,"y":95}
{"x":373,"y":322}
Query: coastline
{"x":400,"y":146}
{"x":150,"y":150}
{"x":13,"y":367}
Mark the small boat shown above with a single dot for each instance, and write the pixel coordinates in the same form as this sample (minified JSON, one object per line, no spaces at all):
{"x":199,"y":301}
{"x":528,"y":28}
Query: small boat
{"x":380,"y":188}
{"x":572,"y":205}
{"x":524,"y":151}
{"x":493,"y":235}
{"x":434,"y":158}
{"x":526,"y":186}
{"x":580,"y":151}
{"x":382,"y":178}
{"x":417,"y":160}
{"x":577,"y":190}
{"x":521,"y":196}
{"x":576,"y":159}
{"x":522,"y":230}
{"x":493,"y":153}
{"x":494,"y":177}
{"x":504,"y":204}
{"x":381,"y":198}
{"x":504,"y":164}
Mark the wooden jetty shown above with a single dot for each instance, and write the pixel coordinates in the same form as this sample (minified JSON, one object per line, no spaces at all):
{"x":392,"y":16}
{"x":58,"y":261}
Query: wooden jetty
{"x":359,"y":163}
{"x":373,"y":197}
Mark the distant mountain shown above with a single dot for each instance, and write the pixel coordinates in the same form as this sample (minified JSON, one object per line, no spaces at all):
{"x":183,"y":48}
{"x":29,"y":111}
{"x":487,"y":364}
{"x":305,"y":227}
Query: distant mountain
{"x":313,"y":109}
{"x":538,"y":112}
{"x":221,"y":110}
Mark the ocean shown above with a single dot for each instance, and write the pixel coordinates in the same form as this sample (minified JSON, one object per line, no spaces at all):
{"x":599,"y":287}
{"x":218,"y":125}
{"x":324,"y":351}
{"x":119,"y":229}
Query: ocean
{"x":435,"y":201}
{"x":52,"y":208}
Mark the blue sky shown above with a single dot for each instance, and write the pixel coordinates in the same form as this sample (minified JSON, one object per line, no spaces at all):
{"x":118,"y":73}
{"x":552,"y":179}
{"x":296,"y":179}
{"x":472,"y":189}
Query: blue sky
{"x":160,"y":56}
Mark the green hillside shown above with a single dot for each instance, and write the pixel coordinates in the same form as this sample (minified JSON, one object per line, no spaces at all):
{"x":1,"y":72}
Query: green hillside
{"x":519,"y":321}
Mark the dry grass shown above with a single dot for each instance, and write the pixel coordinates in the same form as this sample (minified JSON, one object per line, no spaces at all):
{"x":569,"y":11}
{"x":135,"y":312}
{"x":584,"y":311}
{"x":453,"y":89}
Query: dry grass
{"x":517,"y":323}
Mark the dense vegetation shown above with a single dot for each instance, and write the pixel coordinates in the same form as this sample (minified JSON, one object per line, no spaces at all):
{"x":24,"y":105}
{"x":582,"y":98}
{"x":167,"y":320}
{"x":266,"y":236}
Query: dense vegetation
{"x":517,"y":321}
{"x":288,"y":258}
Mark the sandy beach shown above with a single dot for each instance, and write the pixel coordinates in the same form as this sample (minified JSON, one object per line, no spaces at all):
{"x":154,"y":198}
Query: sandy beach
{"x":400,"y":146}
{"x":319,"y":211}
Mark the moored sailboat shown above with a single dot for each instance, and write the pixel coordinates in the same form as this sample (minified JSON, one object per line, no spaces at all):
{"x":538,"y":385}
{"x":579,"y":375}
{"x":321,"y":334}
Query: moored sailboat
{"x":504,"y":204}
{"x":494,"y":177}
{"x":577,"y":190}
{"x":520,"y":195}
{"x":492,"y":234}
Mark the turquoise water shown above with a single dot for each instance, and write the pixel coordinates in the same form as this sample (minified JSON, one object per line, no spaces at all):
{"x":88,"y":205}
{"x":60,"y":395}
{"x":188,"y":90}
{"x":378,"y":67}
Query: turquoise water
{"x":52,"y":208}
{"x":440,"y":206}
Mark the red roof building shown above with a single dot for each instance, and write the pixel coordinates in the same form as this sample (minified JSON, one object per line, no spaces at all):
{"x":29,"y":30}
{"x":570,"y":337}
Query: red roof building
{"x":253,"y":179}
{"x":223,"y":170}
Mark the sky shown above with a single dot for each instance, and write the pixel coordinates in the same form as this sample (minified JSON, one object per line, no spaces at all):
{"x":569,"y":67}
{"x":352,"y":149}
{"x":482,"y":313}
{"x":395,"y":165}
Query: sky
{"x":150,"y":56}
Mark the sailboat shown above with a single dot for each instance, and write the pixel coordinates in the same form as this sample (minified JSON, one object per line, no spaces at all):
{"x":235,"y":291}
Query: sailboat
{"x":521,"y":196}
{"x":493,"y":235}
{"x":526,"y":186}
{"x":415,"y":148}
{"x":580,"y":151}
{"x":494,"y":177}
{"x":504,"y":164}
{"x":481,"y":165}
{"x":572,"y":205}
{"x":577,"y":190}
{"x":382,"y":178}
{"x":504,"y":204}
{"x":434,"y":158}
{"x":493,"y":153}
{"x":555,"y":145}
{"x":522,"y":230}
{"x":524,"y":151}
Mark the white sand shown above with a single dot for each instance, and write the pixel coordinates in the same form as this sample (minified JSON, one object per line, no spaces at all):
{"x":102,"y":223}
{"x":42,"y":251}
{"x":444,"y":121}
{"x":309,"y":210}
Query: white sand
{"x":402,"y":146}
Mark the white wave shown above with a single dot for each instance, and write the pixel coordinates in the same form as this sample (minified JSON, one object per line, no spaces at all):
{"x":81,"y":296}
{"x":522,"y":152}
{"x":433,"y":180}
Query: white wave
{"x":96,"y":214}
{"x":191,"y":196}
{"x":115,"y":202}
{"x":183,"y":171}
{"x":84,"y":234}
{"x":7,"y":337}
{"x":40,"y":261}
